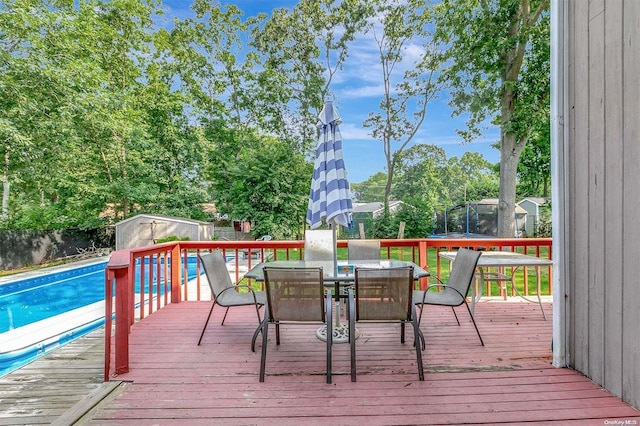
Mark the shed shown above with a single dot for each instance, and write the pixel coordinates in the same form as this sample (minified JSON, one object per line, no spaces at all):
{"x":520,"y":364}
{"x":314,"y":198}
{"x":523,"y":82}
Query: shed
{"x":478,"y":218}
{"x":146,"y":229}
{"x":532,"y":206}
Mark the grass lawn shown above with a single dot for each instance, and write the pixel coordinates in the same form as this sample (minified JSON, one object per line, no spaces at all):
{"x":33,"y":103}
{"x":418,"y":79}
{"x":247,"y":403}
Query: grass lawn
{"x":404,"y":253}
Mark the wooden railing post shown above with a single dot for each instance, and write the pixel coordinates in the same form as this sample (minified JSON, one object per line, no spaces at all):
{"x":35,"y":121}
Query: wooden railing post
{"x":423,"y":263}
{"x":175,"y":274}
{"x":109,"y":276}
{"x":123,"y":320}
{"x":120,"y":270}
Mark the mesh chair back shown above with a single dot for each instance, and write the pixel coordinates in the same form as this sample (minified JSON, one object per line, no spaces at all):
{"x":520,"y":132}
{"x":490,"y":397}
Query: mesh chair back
{"x":463,"y":270}
{"x":318,"y":245}
{"x":294,"y":294}
{"x":383,"y":294}
{"x":364,"y":249}
{"x":216,"y":271}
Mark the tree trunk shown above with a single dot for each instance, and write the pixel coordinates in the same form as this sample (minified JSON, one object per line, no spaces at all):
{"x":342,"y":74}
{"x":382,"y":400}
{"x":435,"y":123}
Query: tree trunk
{"x":387,"y":187}
{"x":5,"y":198}
{"x":4,"y":213}
{"x":509,"y":156}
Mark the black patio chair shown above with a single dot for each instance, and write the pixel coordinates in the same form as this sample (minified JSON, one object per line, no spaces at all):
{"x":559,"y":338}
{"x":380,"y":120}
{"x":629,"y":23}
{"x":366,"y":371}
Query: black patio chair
{"x":295,"y":295}
{"x":383,"y":295}
{"x":454,"y":292}
{"x":224,"y":292}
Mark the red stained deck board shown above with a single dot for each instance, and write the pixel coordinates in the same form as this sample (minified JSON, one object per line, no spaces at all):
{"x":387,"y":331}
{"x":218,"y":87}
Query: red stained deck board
{"x":509,"y":380}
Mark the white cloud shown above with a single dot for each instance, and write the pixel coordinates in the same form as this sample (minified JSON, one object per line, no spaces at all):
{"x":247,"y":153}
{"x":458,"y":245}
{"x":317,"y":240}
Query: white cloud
{"x":350,"y":131}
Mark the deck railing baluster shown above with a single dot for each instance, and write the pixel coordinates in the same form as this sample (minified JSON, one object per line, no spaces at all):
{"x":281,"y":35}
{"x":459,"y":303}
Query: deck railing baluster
{"x":175,"y":258}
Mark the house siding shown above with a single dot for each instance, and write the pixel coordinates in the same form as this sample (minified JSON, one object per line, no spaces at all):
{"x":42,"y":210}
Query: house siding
{"x":602,"y":132}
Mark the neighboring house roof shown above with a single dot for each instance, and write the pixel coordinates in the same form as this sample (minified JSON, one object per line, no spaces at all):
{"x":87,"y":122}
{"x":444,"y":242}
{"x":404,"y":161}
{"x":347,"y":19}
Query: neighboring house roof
{"x":536,"y":200}
{"x":164,"y":218}
{"x":375,"y":207}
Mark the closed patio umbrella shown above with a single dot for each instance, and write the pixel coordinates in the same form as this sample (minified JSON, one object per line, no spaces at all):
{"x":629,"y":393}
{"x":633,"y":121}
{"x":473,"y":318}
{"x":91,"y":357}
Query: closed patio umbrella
{"x":329,"y":198}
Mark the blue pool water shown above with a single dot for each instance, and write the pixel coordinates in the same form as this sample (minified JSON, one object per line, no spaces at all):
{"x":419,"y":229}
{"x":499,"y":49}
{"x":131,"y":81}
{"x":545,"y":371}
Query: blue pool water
{"x":34,"y":299}
{"x":52,"y":298}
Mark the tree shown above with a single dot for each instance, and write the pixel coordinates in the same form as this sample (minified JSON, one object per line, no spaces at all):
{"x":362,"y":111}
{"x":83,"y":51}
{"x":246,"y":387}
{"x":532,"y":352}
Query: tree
{"x":89,"y":117}
{"x":30,"y":93}
{"x":267,"y":183}
{"x":401,"y":30}
{"x":370,"y":190}
{"x":430,"y":182}
{"x":498,"y":51}
{"x":534,"y":168}
{"x":419,"y":176}
{"x":301,"y":52}
{"x":470,"y":178}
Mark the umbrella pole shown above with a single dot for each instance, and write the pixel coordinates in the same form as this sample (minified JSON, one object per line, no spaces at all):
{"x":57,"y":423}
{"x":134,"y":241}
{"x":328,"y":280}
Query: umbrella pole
{"x":335,"y":269}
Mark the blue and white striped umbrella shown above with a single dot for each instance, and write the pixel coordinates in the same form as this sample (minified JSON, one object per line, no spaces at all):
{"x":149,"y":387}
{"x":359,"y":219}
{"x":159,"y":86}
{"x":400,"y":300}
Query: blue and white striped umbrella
{"x":330,"y":198}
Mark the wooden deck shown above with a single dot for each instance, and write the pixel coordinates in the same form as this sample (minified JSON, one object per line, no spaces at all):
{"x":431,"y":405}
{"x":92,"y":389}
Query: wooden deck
{"x":509,"y":381}
{"x":47,"y":389}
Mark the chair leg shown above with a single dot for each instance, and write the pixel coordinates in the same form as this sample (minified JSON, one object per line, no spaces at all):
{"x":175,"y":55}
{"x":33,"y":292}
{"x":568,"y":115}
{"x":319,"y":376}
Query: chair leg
{"x":255,"y":333}
{"x":352,"y":334}
{"x":258,"y":313}
{"x":206,"y":323}
{"x":225,"y":315}
{"x":455,"y":315}
{"x":263,"y":356}
{"x":255,"y":337}
{"x":416,"y":339}
{"x":329,"y":320}
{"x":422,"y":339}
{"x":402,"y":333}
{"x":474,"y":322}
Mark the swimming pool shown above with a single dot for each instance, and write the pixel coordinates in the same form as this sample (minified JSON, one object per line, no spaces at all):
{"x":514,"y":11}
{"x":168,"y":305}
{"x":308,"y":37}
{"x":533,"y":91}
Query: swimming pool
{"x":40,"y":313}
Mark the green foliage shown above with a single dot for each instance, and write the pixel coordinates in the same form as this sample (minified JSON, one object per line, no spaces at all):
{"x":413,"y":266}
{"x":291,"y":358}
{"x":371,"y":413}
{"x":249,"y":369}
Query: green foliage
{"x":266,"y":183}
{"x":303,"y":49}
{"x":384,"y":226}
{"x":370,"y":190}
{"x":417,"y":220}
{"x":105,"y":114}
{"x":426,"y":178}
{"x":544,"y":226}
{"x":498,"y":53}
{"x":170,"y":238}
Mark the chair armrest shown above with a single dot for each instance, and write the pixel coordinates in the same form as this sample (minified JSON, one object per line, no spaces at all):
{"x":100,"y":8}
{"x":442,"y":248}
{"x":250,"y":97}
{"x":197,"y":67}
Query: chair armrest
{"x":440,"y":285}
{"x":236,"y":287}
{"x":437,"y":279}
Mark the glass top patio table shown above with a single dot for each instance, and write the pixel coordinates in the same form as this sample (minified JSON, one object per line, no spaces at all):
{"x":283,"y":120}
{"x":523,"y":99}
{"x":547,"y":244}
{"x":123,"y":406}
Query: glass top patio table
{"x":504,"y":259}
{"x":343,"y":273}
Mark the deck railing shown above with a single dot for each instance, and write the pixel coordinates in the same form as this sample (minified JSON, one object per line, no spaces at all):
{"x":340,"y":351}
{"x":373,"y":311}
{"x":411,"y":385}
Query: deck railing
{"x":141,"y":281}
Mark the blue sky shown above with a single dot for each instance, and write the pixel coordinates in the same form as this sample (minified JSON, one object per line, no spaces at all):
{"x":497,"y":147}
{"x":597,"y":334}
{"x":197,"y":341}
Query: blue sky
{"x":357,"y":90}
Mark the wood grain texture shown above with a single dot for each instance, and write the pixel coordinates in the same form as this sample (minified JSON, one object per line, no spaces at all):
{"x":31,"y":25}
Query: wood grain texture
{"x":510,"y":380}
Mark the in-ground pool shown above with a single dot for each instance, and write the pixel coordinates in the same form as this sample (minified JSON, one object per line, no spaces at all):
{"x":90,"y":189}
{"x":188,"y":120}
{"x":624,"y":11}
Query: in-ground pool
{"x":40,"y":313}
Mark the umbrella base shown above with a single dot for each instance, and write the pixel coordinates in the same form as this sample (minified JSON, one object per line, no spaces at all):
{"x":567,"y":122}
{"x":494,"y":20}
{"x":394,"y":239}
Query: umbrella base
{"x":340,"y":333}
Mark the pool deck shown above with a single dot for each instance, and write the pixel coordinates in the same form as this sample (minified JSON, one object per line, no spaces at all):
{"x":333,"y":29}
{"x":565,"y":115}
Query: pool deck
{"x":53,"y":269}
{"x":49,"y":387}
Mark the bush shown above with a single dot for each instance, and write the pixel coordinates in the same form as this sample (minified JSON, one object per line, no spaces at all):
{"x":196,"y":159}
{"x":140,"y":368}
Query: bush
{"x":170,"y":238}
